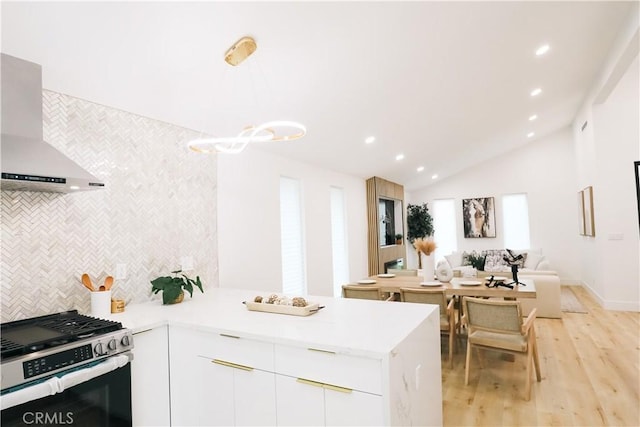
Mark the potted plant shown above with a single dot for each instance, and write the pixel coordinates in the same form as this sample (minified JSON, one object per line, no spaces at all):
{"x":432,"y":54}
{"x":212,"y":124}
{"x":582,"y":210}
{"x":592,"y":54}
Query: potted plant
{"x":173,"y":287}
{"x":419,"y":224}
{"x":398,"y":239}
{"x":476,"y":261}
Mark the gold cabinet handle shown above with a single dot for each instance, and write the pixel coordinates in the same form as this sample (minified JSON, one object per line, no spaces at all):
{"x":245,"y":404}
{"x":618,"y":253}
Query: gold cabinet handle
{"x":321,"y":351}
{"x":309,"y":382}
{"x":232,"y":365}
{"x":324,"y":385}
{"x":338,"y":388}
{"x":229,"y":336}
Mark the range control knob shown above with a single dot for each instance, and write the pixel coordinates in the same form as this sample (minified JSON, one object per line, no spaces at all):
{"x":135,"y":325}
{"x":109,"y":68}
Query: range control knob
{"x":112,"y":344}
{"x":98,"y":350}
{"x":125,"y":341}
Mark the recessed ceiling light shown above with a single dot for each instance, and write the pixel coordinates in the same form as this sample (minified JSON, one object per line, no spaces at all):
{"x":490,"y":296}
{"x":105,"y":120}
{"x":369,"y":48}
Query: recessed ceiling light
{"x":542,"y":49}
{"x":434,"y":176}
{"x":537,"y":91}
{"x":530,"y":135}
{"x":74,"y":187}
{"x":420,"y":168}
{"x":369,"y":139}
{"x":400,"y":157}
{"x":533,"y":117}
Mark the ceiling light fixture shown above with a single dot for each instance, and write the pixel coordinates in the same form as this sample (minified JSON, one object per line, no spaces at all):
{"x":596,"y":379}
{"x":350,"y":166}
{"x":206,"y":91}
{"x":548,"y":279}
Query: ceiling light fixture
{"x":277,"y":130}
{"x":537,"y":91}
{"x":400,"y":157}
{"x":369,"y":139}
{"x":434,"y":176}
{"x":420,"y":168}
{"x":530,"y":135}
{"x":533,"y":117}
{"x":240,"y":51}
{"x":262,"y":133}
{"x":542,"y":50}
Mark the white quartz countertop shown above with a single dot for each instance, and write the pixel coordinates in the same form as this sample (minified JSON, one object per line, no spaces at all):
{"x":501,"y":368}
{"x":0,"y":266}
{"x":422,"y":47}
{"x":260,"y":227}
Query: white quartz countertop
{"x":354,"y":326}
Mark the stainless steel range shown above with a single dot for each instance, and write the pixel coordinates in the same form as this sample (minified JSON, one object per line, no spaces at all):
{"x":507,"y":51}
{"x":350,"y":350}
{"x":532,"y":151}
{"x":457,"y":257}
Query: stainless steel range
{"x":65,"y":357}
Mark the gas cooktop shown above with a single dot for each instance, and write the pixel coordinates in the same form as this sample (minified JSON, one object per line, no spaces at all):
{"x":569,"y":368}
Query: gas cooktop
{"x":38,"y":348}
{"x":30,"y":335}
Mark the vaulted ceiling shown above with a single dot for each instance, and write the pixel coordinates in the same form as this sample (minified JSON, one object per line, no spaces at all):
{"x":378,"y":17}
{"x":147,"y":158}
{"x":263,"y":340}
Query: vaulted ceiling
{"x":447,"y":84}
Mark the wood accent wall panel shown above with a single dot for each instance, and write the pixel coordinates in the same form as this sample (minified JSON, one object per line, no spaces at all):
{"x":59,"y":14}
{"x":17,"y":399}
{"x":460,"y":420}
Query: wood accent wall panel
{"x":372,"y":221}
{"x":378,"y":187}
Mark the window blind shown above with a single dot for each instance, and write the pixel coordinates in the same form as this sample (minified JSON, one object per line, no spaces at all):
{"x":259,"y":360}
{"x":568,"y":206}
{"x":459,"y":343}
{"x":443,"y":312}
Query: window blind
{"x":292,"y":237}
{"x":444,"y":225}
{"x":515,"y":220}
{"x":339,"y":252}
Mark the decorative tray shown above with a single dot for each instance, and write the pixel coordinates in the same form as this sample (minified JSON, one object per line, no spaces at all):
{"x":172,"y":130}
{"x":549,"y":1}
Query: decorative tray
{"x":283,"y":309}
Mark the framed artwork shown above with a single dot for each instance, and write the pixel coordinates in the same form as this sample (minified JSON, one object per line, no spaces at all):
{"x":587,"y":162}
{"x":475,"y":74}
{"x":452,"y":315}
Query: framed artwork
{"x":589,"y":223}
{"x":479,"y":217}
{"x":581,"y":213}
{"x":636,"y":166}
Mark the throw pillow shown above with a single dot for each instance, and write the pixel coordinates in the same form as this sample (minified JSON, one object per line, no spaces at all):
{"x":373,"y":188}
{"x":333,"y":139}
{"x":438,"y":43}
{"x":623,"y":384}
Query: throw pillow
{"x":532,"y":260}
{"x":520,"y":263}
{"x":494,"y":260}
{"x":454,"y":259}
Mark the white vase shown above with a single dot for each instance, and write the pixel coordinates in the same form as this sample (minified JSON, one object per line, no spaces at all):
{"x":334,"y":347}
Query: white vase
{"x":444,"y":273}
{"x":428,"y":268}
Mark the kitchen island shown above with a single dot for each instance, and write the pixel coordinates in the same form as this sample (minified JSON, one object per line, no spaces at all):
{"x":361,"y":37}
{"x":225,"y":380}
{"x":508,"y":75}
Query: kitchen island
{"x":352,"y":362}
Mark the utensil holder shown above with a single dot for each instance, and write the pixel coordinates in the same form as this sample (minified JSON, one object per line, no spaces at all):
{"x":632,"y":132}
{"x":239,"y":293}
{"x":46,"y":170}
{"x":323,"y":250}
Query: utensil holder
{"x":101,"y":304}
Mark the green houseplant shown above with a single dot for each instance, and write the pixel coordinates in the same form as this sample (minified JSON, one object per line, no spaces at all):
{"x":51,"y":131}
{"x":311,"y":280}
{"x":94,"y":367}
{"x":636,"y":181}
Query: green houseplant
{"x":398,"y":239}
{"x":419,"y":224}
{"x":476,"y":261}
{"x":173,"y":287}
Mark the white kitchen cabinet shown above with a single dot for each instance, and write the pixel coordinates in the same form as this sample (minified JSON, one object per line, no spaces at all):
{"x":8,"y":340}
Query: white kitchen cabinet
{"x":184,"y":373}
{"x":303,"y":402}
{"x":350,"y":386}
{"x":150,"y":378}
{"x":359,"y":362}
{"x":236,"y":395}
{"x":215,"y":380}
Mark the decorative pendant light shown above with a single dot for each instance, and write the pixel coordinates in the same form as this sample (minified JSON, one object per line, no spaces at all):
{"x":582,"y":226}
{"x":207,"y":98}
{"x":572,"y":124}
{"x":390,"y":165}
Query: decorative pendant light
{"x":278,"y":130}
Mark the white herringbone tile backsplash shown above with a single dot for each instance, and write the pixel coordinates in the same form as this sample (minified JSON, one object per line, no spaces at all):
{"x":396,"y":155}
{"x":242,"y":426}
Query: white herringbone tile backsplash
{"x":159,"y":205}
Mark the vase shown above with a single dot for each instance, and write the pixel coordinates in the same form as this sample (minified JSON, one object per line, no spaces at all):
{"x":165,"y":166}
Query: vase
{"x":444,"y":273}
{"x":428,"y":268}
{"x":178,"y":299}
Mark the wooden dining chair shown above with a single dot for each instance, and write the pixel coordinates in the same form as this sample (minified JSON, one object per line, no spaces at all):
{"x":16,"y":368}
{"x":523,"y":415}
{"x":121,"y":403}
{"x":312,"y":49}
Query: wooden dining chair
{"x":362,"y":292}
{"x":448,"y":325}
{"x":498,"y":325}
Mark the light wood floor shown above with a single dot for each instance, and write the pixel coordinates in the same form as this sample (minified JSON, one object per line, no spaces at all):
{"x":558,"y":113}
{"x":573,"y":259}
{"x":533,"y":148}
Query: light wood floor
{"x":590,"y":367}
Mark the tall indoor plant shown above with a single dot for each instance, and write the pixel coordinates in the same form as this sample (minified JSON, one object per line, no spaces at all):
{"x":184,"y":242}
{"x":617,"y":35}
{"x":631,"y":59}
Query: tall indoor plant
{"x":419,"y":224}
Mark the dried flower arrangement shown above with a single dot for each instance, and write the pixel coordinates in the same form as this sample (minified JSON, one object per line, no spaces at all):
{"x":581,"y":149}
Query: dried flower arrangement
{"x":426,"y":245}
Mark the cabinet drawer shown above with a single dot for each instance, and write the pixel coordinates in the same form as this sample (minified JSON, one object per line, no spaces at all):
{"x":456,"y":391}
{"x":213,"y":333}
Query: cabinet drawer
{"x":351,"y":372}
{"x":240,"y":351}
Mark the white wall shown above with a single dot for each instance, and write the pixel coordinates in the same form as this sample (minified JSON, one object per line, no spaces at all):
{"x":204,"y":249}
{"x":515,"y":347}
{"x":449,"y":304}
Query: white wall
{"x":249,"y":221}
{"x":607,"y":149}
{"x":543,"y":169}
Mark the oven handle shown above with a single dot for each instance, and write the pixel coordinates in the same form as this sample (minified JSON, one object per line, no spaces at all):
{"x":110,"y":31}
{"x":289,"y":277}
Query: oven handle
{"x":56,"y":385}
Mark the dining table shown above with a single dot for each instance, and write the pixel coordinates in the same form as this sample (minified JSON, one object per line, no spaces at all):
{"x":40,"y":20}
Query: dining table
{"x":458,"y":286}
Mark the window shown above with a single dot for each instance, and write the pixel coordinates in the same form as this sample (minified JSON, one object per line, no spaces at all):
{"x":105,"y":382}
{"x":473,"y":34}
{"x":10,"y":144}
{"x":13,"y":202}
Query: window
{"x":292,"y":238}
{"x":515,"y":219}
{"x":339,"y":252}
{"x":444,"y":225}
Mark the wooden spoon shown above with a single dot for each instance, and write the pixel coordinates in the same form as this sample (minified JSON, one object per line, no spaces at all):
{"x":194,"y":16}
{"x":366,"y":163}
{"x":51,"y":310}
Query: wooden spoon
{"x":86,"y":281}
{"x":108,"y":282}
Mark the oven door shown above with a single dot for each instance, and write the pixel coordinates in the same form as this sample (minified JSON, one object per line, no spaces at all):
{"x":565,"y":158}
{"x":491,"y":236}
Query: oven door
{"x":85,"y":400}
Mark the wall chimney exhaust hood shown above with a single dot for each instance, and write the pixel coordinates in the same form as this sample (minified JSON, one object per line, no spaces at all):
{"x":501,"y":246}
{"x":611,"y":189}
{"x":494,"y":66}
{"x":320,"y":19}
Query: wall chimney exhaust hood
{"x":28,"y":162}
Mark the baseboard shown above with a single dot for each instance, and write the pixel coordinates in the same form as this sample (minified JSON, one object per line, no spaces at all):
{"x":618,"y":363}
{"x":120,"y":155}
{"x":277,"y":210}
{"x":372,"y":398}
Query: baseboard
{"x":570,"y":282}
{"x":622,"y":306}
{"x":613,"y":305}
